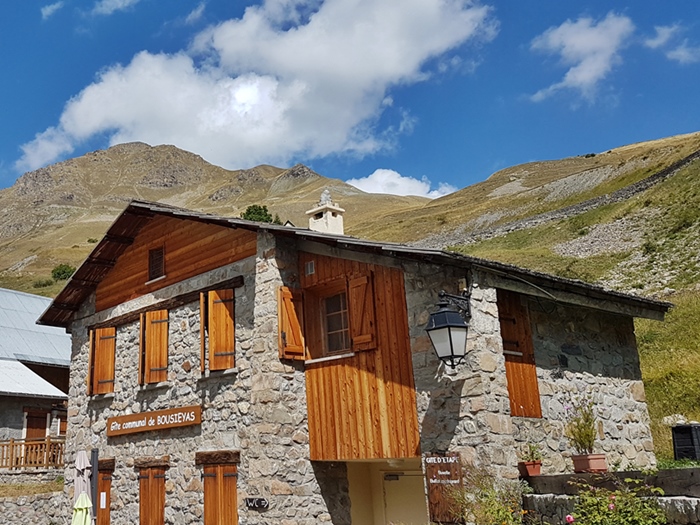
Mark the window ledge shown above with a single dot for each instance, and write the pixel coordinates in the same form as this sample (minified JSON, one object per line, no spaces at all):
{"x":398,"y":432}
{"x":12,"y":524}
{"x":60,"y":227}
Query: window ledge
{"x":154,"y":280}
{"x":213,"y":374}
{"x":100,"y":397}
{"x":329,"y":358}
{"x":154,"y":386}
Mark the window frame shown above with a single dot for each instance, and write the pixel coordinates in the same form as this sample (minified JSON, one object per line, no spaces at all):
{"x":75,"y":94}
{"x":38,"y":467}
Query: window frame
{"x":156,"y":263}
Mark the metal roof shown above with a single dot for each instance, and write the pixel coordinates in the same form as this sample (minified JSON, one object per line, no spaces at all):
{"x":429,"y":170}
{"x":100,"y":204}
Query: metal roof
{"x":126,"y":227}
{"x":18,"y":380}
{"x":22,"y":339}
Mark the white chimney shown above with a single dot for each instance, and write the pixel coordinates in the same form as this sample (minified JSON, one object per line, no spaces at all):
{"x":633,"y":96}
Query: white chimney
{"x":326,"y":216}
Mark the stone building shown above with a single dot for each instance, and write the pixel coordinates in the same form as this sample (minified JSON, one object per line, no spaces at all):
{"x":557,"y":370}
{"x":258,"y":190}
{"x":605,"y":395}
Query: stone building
{"x":238,"y":372}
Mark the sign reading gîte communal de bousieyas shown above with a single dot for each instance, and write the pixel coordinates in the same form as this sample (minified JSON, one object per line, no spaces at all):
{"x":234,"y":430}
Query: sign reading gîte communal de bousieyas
{"x":156,"y":420}
{"x":443,"y":474}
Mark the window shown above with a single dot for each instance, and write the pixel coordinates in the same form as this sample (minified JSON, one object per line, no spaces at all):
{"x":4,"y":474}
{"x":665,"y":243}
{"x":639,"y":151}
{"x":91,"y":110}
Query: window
{"x":220,"y":486}
{"x":152,"y":495}
{"x":217,"y":329}
{"x":328,"y":319}
{"x":521,"y":371}
{"x":103,"y":342}
{"x":156,"y":263}
{"x":153,"y":362}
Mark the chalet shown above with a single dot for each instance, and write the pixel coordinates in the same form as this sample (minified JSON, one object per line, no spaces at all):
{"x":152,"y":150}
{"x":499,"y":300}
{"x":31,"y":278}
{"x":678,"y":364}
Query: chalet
{"x":229,"y":372}
{"x":34,"y":364}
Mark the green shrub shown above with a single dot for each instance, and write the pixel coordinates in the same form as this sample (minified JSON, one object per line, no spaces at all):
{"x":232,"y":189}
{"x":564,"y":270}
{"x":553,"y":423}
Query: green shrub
{"x":580,"y":427}
{"x":629,"y":503}
{"x":42,"y":283}
{"x":62,"y":272}
{"x":257,"y":213}
{"x":92,"y":240}
{"x":485,"y":499}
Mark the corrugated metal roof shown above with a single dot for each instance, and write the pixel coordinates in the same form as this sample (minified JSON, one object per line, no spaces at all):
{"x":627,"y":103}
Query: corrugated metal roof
{"x":17,"y":380}
{"x":22,"y":339}
{"x":126,"y":227}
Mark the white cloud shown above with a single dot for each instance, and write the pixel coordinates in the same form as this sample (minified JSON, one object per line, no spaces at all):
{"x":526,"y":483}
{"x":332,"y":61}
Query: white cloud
{"x":663,"y":35}
{"x":289,"y":79}
{"x":684,"y":53}
{"x":50,"y":9}
{"x":590,"y":49}
{"x":196,"y":13}
{"x":390,"y":181}
{"x":107,"y":7}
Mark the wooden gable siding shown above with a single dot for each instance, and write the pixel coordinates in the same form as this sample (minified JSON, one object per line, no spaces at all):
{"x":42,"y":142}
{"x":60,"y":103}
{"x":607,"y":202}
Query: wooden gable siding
{"x":364,"y":406}
{"x":191,"y":248}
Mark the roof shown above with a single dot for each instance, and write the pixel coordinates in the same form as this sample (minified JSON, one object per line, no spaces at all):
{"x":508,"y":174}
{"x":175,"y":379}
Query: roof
{"x":126,"y":227}
{"x":18,"y":380}
{"x":22,"y":339}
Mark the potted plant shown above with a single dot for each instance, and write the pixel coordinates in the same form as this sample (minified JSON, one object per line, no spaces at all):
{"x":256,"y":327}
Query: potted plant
{"x":531,"y":463}
{"x":581,"y":431}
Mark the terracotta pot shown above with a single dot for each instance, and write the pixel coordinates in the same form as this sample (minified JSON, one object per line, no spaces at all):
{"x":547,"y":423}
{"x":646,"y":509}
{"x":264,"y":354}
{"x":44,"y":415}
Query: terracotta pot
{"x":529,"y":468}
{"x":590,"y":463}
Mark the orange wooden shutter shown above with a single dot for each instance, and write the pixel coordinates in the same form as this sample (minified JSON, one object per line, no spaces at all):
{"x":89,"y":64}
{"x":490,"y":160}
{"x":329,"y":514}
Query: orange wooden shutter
{"x":362,"y":320}
{"x":152,"y":496}
{"x":521,"y":371}
{"x":156,"y":342}
{"x":221,"y":329}
{"x":91,"y":363}
{"x":104,"y":485}
{"x":105,"y":344}
{"x":142,"y":349}
{"x":290,"y":315}
{"x":220,"y":498}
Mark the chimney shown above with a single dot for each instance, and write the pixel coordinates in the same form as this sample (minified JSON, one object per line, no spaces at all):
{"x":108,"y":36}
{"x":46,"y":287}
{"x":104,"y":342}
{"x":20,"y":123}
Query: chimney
{"x":326,"y":216}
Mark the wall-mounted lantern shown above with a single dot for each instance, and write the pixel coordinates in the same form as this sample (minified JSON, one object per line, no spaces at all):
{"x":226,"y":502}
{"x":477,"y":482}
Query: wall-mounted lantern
{"x":447,"y":327}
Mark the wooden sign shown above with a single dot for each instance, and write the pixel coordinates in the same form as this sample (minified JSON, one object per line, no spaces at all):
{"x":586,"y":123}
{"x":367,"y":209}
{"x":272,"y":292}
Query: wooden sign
{"x":443,"y":473}
{"x":156,"y":420}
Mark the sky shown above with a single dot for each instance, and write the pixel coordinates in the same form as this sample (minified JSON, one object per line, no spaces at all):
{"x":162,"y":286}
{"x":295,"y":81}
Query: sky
{"x":418,"y":97}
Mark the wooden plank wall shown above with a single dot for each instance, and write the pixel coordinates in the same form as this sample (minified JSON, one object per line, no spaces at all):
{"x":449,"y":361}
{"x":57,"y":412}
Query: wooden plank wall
{"x":364,"y":407}
{"x":191,"y":248}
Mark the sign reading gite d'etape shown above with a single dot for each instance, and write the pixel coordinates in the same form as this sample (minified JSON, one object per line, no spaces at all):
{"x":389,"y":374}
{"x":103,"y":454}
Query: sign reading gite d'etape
{"x":443,"y":473}
{"x":156,"y":420}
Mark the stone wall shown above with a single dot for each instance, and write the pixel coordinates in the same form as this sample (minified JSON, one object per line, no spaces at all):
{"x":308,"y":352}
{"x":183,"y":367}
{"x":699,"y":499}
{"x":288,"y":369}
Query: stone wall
{"x":578,"y":351}
{"x":585,"y":352}
{"x":466,"y":409}
{"x":16,"y":477}
{"x":11,"y":418}
{"x":42,"y":509}
{"x":258,"y":408}
{"x":553,"y":508}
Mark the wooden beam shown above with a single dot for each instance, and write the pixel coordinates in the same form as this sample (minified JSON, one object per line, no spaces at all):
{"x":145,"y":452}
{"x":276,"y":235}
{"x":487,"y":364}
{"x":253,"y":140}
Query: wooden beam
{"x":217,"y":457}
{"x":150,"y":461}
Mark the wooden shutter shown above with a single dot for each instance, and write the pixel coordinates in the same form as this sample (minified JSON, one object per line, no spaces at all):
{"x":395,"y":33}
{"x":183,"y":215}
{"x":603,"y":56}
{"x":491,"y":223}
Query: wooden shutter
{"x":362,"y":320}
{"x":152,"y":496}
{"x":220,"y":314}
{"x":104,"y":347}
{"x":103,"y":503}
{"x":156,"y":263}
{"x":156,"y":346}
{"x":220,"y":498}
{"x":203,"y":320}
{"x":521,"y":371}
{"x":290,"y":318}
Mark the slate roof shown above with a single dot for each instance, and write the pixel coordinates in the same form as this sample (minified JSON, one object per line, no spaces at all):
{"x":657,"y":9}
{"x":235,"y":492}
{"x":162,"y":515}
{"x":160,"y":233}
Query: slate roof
{"x":126,"y":227}
{"x":18,"y":380}
{"x":22,"y":339}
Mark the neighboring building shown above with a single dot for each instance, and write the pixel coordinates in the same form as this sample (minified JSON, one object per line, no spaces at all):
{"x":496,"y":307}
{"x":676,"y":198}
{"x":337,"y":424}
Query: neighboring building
{"x":238,"y":372}
{"x":34,"y":363}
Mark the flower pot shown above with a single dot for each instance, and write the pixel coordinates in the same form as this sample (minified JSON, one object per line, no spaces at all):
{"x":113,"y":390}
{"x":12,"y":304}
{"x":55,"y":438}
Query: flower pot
{"x":529,"y":468}
{"x":590,"y":463}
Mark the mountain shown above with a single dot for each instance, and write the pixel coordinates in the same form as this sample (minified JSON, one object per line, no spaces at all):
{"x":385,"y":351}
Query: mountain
{"x":54,"y":215}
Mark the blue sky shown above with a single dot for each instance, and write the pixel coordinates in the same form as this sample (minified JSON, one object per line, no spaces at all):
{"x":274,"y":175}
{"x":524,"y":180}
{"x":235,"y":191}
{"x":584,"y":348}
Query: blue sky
{"x":397,"y":96}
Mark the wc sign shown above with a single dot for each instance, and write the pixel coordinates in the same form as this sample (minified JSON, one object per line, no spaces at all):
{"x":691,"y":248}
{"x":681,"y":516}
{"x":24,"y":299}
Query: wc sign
{"x":257,"y":503}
